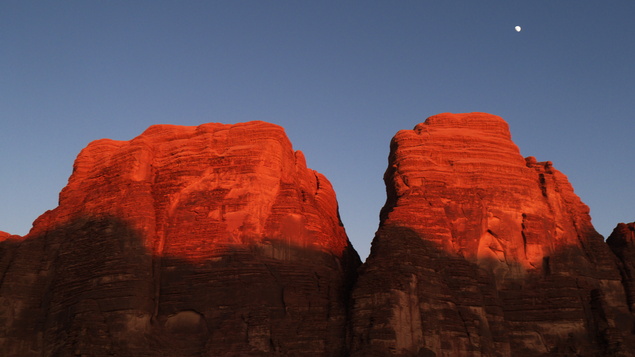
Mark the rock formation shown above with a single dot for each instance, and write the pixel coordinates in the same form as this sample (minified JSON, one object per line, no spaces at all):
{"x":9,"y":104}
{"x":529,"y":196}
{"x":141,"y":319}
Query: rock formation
{"x":483,"y":253}
{"x":622,"y":243}
{"x":217,"y":240}
{"x":185,"y":241}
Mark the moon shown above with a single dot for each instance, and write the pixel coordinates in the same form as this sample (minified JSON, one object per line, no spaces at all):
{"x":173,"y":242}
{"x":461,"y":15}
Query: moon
{"x":517,"y":28}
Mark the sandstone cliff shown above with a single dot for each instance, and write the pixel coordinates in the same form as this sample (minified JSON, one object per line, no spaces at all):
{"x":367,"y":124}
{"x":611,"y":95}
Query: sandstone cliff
{"x":185,"y":241}
{"x":483,"y":253}
{"x":217,"y":240}
{"x":622,"y":243}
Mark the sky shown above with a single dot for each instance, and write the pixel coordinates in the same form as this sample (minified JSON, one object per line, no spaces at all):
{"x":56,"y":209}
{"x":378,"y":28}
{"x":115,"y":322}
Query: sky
{"x":342,"y":77}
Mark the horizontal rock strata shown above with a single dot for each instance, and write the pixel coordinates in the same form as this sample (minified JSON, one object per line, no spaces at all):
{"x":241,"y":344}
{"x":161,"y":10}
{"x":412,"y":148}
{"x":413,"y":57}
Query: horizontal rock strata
{"x":185,"y":241}
{"x":217,"y":240}
{"x":481,"y":252}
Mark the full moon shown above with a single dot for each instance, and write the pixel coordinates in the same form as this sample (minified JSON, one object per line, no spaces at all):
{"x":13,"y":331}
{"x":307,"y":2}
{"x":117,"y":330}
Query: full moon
{"x":517,"y":28}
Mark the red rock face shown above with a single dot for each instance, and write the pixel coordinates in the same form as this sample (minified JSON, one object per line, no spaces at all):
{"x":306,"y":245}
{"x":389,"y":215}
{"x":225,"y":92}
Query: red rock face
{"x":4,"y":236}
{"x":210,"y":240}
{"x":217,"y":240}
{"x":482,"y":252}
{"x":189,"y":190}
{"x":474,"y":196}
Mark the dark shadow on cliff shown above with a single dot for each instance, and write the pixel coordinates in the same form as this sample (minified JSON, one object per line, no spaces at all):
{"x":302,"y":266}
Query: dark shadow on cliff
{"x":621,"y":243}
{"x":91,"y":287}
{"x":412,"y":298}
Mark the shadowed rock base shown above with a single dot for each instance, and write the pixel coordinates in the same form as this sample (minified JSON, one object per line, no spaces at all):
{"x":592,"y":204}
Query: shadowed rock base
{"x":90,"y":288}
{"x":420,"y":300}
{"x":622,"y":243}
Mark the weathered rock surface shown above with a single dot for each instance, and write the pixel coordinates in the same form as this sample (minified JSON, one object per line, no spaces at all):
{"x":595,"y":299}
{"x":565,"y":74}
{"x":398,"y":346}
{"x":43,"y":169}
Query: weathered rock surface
{"x":622,"y":243}
{"x":217,"y":240}
{"x":481,"y":252}
{"x":185,"y":241}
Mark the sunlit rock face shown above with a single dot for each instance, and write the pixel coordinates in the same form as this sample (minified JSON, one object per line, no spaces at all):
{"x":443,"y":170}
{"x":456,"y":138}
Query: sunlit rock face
{"x":191,"y":189}
{"x":481,"y":252}
{"x":5,"y":235}
{"x":184,"y":241}
{"x":217,"y":240}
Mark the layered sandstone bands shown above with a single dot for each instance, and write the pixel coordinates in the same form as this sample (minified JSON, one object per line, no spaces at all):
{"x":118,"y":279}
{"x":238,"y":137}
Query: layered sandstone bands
{"x":484,"y":253}
{"x":461,"y":181}
{"x":217,"y":240}
{"x":227,"y":184}
{"x":214,"y":240}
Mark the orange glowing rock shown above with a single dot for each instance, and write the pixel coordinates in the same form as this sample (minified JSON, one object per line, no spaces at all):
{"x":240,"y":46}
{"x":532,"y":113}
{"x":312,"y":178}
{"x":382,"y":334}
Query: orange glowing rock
{"x":4,"y":235}
{"x":474,"y":195}
{"x":217,"y":240}
{"x":482,"y":252}
{"x":188,"y":190}
{"x":209,"y":240}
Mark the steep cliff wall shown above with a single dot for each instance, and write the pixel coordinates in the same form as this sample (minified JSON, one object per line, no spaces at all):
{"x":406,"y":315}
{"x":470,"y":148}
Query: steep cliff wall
{"x":205,"y":240}
{"x":217,"y":240}
{"x":622,"y":243}
{"x":482,"y":252}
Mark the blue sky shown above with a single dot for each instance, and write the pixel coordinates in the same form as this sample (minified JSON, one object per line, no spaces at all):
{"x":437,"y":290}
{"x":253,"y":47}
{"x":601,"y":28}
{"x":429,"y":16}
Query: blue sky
{"x":342,"y":77}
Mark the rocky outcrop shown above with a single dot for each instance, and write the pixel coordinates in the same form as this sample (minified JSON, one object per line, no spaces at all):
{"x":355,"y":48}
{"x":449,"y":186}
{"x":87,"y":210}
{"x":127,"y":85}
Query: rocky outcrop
{"x":622,"y":243}
{"x":481,"y":252}
{"x":217,"y":240}
{"x":184,"y":241}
